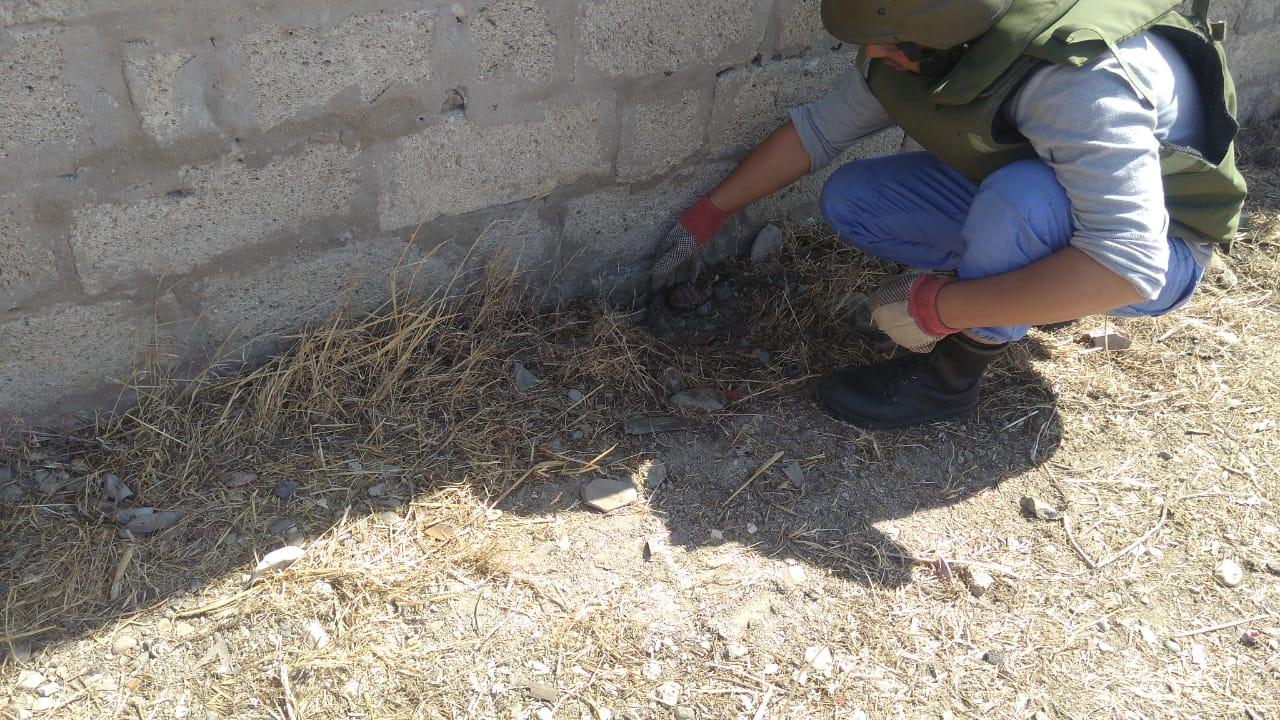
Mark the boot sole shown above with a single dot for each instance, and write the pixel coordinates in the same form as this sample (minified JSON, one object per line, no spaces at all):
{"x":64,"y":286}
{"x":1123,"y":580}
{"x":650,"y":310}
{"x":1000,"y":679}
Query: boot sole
{"x":869,"y":423}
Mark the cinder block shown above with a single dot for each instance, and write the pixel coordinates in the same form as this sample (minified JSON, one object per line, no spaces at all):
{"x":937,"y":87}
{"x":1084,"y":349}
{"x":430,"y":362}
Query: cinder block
{"x":519,"y":242}
{"x":641,"y":37}
{"x":455,"y":166}
{"x":514,"y":39}
{"x":295,"y":68}
{"x":1252,"y":37}
{"x":37,"y":109}
{"x":803,"y":31}
{"x":610,"y":236}
{"x":657,"y":136}
{"x":168,"y":93}
{"x":248,"y":310}
{"x":17,"y":12}
{"x":751,"y":102}
{"x":70,"y":354}
{"x":213,"y":210}
{"x":24,"y":265}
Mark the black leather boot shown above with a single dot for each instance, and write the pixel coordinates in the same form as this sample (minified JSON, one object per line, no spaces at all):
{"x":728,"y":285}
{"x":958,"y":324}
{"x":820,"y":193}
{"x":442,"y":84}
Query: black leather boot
{"x":912,"y":389}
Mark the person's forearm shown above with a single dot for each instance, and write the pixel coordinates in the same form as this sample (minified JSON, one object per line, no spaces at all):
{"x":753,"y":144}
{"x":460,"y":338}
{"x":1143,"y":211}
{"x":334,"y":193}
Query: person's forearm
{"x":774,"y":164}
{"x":1066,"y":285}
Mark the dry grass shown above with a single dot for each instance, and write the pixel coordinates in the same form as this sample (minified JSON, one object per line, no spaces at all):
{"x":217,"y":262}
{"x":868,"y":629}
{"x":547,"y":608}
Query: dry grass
{"x":402,"y":431}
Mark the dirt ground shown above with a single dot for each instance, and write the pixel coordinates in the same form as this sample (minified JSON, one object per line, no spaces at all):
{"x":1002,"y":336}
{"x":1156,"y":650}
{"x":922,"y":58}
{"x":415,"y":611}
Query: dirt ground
{"x":775,"y":563}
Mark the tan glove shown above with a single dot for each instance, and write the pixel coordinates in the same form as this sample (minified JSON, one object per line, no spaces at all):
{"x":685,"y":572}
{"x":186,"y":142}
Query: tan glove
{"x":905,"y":307}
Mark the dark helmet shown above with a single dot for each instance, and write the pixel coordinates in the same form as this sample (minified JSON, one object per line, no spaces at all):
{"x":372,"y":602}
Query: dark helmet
{"x":929,"y":23}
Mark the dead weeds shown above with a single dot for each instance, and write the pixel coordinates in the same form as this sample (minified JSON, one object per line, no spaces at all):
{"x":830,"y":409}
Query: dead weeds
{"x":788,"y":567}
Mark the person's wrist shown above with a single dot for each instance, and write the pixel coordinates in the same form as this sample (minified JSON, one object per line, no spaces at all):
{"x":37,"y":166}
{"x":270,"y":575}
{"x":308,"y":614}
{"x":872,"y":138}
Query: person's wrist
{"x":923,"y":302}
{"x":703,"y":220}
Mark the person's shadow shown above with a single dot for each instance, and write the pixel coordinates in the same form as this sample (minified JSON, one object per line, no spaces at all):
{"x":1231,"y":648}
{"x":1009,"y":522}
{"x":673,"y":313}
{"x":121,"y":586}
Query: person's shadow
{"x":838,"y":510}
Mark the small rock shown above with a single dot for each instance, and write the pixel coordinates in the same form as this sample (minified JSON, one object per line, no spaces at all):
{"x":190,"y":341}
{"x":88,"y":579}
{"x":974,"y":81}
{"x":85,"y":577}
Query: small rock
{"x":764,"y":356}
{"x":684,"y":712}
{"x":575,"y":395}
{"x":652,"y":475}
{"x":29,"y":680}
{"x":317,"y":636}
{"x":285,"y":489}
{"x":545,"y":693}
{"x":1198,"y":655}
{"x":671,"y":379}
{"x":1038,"y":509}
{"x":767,"y":242}
{"x":668,"y":694}
{"x":183,"y":629}
{"x":1165,"y":455}
{"x":703,"y":310}
{"x":991,"y":657}
{"x":524,"y":379}
{"x":722,"y":292}
{"x":734,"y":651}
{"x":283,"y":525}
{"x":819,"y":658}
{"x":796,"y":574}
{"x":239,"y":479}
{"x":1106,"y":647}
{"x":752,"y":529}
{"x":6,"y":474}
{"x":1272,"y":566}
{"x":978,"y":581}
{"x":278,"y":560}
{"x":544,"y":713}
{"x":442,"y":532}
{"x":1103,"y":624}
{"x":44,"y":704}
{"x":390,"y":517}
{"x":115,"y":489}
{"x":717,"y":534}
{"x":147,"y":520}
{"x":48,"y":689}
{"x":794,"y":474}
{"x":1172,"y":646}
{"x":1251,"y":638}
{"x":9,"y":494}
{"x":706,"y":399}
{"x":1229,"y":573}
{"x":1148,"y":635}
{"x":124,"y":644}
{"x":377,"y":491}
{"x":1103,"y":340}
{"x":351,"y":689}
{"x":607,"y":495}
{"x":459,"y":12}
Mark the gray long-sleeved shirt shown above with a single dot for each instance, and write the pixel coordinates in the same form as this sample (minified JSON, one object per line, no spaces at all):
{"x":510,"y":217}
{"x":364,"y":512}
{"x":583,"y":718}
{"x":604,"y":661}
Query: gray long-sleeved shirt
{"x":1090,"y":125}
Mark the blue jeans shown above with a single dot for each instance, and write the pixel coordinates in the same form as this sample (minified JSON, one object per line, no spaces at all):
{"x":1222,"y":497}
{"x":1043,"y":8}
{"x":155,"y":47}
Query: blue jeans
{"x":914,"y":209}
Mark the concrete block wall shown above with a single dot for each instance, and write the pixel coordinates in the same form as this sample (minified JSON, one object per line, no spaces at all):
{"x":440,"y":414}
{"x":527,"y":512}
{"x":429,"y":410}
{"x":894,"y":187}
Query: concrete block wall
{"x":187,"y":179}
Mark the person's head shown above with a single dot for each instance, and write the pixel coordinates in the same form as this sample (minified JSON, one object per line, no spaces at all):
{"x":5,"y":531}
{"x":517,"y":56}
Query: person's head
{"x":912,"y":35}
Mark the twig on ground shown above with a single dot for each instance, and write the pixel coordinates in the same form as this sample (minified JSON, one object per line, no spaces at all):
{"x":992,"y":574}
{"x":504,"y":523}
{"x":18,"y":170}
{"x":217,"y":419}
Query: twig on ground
{"x":1223,"y":626}
{"x":759,"y":471}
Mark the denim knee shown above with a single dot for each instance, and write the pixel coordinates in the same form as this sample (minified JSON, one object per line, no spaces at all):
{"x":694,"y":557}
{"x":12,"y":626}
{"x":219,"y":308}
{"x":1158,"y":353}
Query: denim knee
{"x":842,"y":205}
{"x":1020,"y":215}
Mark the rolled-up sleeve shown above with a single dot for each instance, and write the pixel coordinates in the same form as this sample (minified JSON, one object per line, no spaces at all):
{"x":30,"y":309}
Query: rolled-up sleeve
{"x":831,"y":125}
{"x":1100,"y":139}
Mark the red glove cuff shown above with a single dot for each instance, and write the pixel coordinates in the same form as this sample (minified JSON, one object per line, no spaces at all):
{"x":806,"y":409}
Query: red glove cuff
{"x":922,"y":305}
{"x":703,"y":220}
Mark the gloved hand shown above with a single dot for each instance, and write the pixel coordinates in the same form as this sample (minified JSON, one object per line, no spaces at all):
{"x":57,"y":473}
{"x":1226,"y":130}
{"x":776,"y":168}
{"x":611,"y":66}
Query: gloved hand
{"x":678,"y":250}
{"x":905,"y":308}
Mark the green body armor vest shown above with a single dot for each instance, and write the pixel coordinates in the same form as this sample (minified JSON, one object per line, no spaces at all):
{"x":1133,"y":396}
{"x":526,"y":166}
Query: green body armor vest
{"x":960,"y":119}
